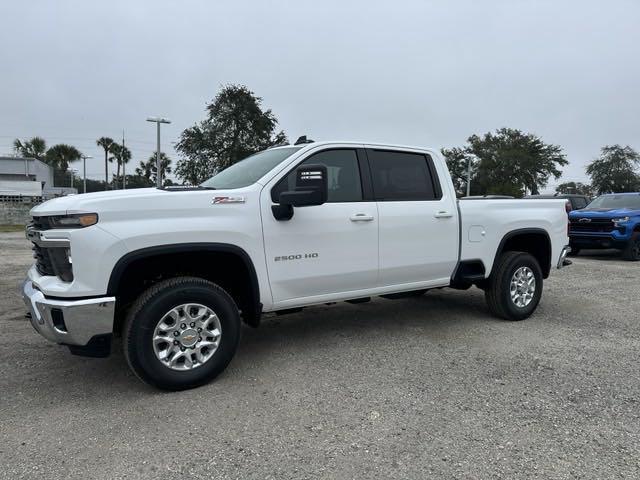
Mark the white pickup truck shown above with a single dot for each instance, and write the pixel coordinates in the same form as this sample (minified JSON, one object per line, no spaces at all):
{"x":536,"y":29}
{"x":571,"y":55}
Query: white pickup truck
{"x":175,"y":271}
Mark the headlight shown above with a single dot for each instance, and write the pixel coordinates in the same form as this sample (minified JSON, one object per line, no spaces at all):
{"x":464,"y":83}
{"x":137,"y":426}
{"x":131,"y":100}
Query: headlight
{"x":74,"y":221}
{"x":620,"y":220}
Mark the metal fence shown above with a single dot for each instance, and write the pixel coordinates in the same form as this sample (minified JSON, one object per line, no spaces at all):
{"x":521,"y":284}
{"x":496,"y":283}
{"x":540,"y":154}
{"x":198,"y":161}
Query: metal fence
{"x":20,"y":199}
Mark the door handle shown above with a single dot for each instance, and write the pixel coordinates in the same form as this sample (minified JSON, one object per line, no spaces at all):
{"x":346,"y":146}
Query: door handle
{"x":361,"y":217}
{"x":443,"y":214}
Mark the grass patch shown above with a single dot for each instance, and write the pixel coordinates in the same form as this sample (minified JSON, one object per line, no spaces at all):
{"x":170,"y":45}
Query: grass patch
{"x":11,"y":228}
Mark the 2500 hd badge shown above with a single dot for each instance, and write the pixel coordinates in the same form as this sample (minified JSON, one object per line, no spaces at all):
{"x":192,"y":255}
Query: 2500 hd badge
{"x":299,"y":256}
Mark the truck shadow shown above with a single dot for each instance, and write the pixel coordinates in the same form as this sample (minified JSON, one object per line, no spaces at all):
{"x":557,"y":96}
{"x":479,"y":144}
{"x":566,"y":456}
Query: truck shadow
{"x":438,"y":315}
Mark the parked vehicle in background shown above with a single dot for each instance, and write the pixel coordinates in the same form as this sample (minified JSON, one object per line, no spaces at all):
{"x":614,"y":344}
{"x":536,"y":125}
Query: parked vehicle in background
{"x":175,"y":270}
{"x":574,"y":201}
{"x":610,"y":221}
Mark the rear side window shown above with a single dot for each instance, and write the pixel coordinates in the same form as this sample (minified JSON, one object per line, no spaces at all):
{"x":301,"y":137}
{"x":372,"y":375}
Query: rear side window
{"x":402,"y":176}
{"x":343,"y":176}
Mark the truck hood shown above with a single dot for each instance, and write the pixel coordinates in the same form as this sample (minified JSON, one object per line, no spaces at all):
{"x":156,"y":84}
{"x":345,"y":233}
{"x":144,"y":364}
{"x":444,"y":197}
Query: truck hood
{"x":91,"y":202}
{"x":133,"y":202}
{"x":604,"y":213}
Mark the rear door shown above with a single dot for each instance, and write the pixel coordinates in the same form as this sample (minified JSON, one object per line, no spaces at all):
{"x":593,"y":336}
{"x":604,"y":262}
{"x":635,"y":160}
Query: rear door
{"x":325,"y":250}
{"x":418,"y":223}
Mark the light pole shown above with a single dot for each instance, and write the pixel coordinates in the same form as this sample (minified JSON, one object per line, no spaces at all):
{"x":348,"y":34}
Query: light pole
{"x":72,"y":172}
{"x":84,"y":172}
{"x":158,"y":121}
{"x":469,"y":157}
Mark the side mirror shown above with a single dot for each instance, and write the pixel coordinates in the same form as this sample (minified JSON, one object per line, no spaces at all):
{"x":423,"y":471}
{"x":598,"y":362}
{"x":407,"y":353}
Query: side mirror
{"x":311,"y":189}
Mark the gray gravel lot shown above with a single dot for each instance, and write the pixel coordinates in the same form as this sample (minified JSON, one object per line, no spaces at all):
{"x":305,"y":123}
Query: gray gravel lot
{"x":431,"y":387}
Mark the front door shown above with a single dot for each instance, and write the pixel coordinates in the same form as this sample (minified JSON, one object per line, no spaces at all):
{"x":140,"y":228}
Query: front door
{"x":328,"y":250}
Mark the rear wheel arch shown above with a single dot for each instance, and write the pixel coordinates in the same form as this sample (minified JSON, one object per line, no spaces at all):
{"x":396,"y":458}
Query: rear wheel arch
{"x":139,"y":269}
{"x":535,"y":241}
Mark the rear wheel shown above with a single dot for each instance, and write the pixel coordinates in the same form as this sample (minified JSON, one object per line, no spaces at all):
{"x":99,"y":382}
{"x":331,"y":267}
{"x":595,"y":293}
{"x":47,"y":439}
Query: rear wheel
{"x":181,"y":333}
{"x":515,"y":286}
{"x":632,"y":251}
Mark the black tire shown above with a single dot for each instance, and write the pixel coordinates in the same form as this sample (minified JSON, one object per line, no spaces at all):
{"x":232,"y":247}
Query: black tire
{"x":498,"y":294}
{"x":632,"y":250}
{"x":574,"y":251}
{"x":148,"y":310}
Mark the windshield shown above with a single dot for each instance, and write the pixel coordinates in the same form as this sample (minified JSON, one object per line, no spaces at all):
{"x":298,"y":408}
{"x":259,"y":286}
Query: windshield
{"x":616,"y":201}
{"x":249,"y":170}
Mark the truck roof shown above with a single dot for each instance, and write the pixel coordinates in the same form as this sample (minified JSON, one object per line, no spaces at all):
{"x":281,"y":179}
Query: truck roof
{"x":362,"y":142}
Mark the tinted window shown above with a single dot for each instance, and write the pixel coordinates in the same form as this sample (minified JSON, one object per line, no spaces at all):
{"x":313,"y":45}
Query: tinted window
{"x":401,"y":176}
{"x":343,"y":176}
{"x":579,"y":202}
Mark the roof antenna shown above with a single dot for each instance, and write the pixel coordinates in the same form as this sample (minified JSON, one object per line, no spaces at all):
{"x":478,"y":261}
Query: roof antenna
{"x":303,"y":139}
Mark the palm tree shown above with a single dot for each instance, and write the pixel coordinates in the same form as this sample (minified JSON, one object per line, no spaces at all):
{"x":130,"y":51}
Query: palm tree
{"x":34,"y":148}
{"x":61,"y":155}
{"x":149,"y":169}
{"x":106,"y":143}
{"x":121,"y":155}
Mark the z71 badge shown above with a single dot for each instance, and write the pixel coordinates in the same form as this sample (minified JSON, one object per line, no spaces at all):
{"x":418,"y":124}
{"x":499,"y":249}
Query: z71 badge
{"x":299,"y":256}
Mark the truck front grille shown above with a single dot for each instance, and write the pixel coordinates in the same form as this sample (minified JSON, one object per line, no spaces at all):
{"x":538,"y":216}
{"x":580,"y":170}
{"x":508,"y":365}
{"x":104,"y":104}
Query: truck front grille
{"x":43,"y":260}
{"x":51,"y":261}
{"x":596,"y":225}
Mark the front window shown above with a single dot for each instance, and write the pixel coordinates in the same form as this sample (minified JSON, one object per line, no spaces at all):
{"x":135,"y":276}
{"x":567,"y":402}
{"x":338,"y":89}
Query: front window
{"x":617,"y":201}
{"x":248,"y":171}
{"x":343,"y":176}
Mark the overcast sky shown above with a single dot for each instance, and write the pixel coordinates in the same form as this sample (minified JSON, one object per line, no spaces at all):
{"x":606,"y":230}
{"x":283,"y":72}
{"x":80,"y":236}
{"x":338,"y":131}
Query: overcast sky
{"x":426,"y":73}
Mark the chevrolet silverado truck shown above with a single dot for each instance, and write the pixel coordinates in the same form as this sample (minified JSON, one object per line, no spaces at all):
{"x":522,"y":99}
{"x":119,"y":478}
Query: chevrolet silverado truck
{"x":175,"y":271}
{"x":610,"y":221}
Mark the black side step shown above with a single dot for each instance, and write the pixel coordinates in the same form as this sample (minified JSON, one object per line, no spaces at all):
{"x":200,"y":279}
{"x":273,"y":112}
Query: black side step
{"x":359,"y":300}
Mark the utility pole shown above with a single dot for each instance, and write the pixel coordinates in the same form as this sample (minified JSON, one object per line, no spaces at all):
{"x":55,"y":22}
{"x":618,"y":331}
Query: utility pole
{"x":468,"y":175}
{"x":84,"y":172}
{"x":124,"y":173}
{"x":72,"y":172}
{"x":158,"y":121}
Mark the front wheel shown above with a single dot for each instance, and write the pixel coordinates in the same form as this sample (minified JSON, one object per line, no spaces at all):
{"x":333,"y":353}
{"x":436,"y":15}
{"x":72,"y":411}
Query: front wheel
{"x":181,"y":333}
{"x":515,"y":286}
{"x":632,"y":251}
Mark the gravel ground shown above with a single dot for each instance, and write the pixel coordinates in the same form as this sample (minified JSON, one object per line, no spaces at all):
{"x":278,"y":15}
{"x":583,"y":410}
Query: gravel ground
{"x":431,"y":387}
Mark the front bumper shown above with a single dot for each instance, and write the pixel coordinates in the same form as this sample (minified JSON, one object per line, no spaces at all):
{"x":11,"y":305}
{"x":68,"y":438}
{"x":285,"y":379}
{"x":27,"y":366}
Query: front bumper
{"x":69,"y":322}
{"x":563,"y":261}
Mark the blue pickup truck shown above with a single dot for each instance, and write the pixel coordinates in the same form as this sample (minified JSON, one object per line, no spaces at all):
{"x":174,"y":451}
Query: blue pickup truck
{"x":610,"y":221}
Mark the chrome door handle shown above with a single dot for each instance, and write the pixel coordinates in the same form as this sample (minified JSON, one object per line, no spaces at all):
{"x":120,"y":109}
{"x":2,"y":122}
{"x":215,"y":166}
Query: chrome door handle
{"x":443,"y":214}
{"x":361,"y":217}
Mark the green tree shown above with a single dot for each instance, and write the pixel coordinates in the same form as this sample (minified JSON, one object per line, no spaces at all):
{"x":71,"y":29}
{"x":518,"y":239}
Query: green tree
{"x":149,"y":170}
{"x":236,"y":127}
{"x":107,"y":144}
{"x":61,"y":155}
{"x":575,"y":188}
{"x":120,"y":155}
{"x":615,"y":170}
{"x":34,"y":148}
{"x":458,"y":163}
{"x":511,"y":162}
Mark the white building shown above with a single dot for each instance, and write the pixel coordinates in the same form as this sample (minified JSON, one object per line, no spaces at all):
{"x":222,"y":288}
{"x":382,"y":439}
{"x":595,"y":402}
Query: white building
{"x":17,"y":168}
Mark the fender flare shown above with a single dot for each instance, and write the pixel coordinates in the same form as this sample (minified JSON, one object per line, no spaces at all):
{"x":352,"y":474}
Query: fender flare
{"x":123,"y":263}
{"x":520,"y":231}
